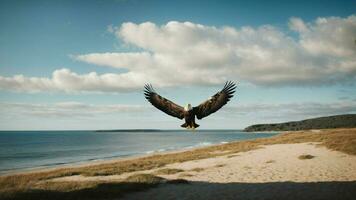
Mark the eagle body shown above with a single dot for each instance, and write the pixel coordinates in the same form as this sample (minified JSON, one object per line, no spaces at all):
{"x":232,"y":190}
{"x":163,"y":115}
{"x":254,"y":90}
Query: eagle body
{"x":188,"y":113}
{"x":189,"y":118}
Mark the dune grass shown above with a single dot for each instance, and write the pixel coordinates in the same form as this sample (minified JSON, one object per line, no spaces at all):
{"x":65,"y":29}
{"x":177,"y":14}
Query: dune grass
{"x":144,"y":178}
{"x":185,"y":175}
{"x":198,"y":169}
{"x":36,"y":183}
{"x":168,"y":171}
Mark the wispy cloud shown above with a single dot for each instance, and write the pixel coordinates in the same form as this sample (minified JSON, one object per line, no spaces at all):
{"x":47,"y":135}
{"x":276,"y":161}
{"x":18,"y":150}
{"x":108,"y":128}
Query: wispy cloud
{"x":290,"y":111}
{"x":81,"y":115}
{"x":324,"y":52}
{"x":67,"y":109}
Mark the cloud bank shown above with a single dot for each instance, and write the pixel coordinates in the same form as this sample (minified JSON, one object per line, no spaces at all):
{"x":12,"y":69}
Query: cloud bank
{"x":75,"y":115}
{"x":295,"y":110}
{"x":67,"y":109}
{"x":184,"y":53}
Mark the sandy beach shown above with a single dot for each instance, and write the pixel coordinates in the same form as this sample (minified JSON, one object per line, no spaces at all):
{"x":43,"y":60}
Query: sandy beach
{"x":272,"y":172}
{"x":294,"y":165}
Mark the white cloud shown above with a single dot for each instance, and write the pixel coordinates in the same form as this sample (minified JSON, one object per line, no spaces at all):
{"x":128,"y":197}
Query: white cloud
{"x":334,"y":37}
{"x":110,"y":28}
{"x":297,"y":24}
{"x":68,"y":81}
{"x":177,"y":53}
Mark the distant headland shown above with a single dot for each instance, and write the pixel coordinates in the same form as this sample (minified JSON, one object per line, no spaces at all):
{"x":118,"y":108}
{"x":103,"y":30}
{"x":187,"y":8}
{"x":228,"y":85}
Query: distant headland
{"x":130,"y":130}
{"x":336,"y":121}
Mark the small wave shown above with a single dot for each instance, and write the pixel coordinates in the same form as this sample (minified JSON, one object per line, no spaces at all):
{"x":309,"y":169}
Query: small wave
{"x":223,"y":142}
{"x":95,"y":159}
{"x":155,"y":151}
{"x":54,"y":164}
{"x":200,"y":144}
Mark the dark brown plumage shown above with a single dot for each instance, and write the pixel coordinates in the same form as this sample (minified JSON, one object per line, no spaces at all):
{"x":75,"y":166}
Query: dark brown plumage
{"x":203,"y":110}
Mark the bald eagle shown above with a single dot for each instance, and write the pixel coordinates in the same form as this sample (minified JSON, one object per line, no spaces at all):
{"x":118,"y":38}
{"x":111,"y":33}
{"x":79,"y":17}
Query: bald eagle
{"x":188,"y":112}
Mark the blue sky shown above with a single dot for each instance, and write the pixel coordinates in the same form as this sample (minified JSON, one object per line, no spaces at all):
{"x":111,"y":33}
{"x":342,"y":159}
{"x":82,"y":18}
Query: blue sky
{"x":82,"y":65}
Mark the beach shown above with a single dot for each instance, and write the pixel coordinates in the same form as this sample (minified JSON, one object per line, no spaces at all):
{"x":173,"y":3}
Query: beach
{"x":316,"y":164}
{"x":28,"y":150}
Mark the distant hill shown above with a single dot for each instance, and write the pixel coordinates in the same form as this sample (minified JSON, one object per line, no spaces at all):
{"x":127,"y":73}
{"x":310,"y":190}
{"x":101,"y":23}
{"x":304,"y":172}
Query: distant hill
{"x":337,"y":121}
{"x":130,"y":130}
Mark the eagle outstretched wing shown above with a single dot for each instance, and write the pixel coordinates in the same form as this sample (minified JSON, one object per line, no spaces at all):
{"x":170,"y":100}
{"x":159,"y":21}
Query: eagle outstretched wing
{"x":215,"y":102}
{"x":162,"y":103}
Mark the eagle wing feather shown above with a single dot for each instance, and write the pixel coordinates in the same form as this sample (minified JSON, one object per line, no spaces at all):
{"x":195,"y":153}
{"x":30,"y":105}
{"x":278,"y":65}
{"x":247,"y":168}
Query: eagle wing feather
{"x":215,"y":102}
{"x":162,"y":103}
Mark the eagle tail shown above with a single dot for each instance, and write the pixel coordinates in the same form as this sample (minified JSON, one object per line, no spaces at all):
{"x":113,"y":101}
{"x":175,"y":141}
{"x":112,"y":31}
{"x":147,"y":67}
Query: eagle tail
{"x":196,"y":125}
{"x":184,"y":125}
{"x":188,"y":126}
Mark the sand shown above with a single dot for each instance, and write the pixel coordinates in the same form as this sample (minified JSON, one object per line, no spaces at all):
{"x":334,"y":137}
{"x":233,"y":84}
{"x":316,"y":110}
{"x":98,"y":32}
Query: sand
{"x":271,"y":172}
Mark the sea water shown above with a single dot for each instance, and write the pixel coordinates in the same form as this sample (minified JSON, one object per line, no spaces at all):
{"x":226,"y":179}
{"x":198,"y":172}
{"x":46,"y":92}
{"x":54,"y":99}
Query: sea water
{"x":24,"y":150}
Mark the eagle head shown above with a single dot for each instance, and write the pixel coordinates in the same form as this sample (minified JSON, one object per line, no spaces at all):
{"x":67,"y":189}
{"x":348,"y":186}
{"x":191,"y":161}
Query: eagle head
{"x":188,"y":107}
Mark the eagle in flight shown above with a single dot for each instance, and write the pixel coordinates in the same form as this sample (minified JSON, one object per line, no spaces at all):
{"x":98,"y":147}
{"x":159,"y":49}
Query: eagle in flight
{"x":206,"y":108}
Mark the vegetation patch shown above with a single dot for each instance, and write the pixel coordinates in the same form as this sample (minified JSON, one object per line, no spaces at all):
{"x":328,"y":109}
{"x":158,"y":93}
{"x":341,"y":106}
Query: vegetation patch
{"x":270,"y":161}
{"x":306,"y":157}
{"x":144,"y":178}
{"x":185,"y":175}
{"x":198,"y":169}
{"x":168,"y":171}
{"x":231,"y":156}
{"x":178,"y":181}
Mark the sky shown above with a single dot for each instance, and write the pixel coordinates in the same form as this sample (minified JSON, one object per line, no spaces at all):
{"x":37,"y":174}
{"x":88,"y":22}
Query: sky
{"x":81,"y":65}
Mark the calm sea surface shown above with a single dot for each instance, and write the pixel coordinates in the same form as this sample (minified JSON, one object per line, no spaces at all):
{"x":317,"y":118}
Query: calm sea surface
{"x":22,"y":150}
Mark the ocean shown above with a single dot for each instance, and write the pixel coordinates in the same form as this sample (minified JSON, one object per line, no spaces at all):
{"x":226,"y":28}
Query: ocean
{"x":24,"y":150}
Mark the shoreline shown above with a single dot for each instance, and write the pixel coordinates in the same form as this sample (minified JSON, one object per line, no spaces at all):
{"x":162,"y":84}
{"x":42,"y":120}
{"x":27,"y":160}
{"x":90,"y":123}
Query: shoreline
{"x":108,"y":160}
{"x":91,"y":163}
{"x":283,"y":164}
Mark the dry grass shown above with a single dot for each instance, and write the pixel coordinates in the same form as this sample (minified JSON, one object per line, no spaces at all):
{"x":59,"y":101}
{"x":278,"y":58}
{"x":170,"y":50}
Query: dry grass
{"x":231,"y":156}
{"x":247,"y":167}
{"x":185,"y":175}
{"x":198,"y":169}
{"x":144,"y":178}
{"x":168,"y":171}
{"x":306,"y":157}
{"x":335,"y":139}
{"x":270,"y":161}
{"x":178,"y":181}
